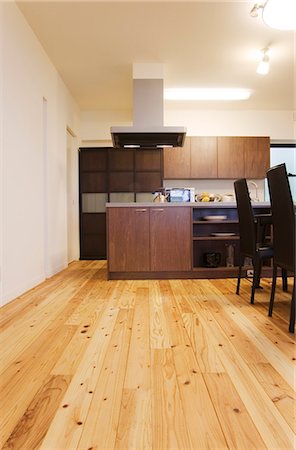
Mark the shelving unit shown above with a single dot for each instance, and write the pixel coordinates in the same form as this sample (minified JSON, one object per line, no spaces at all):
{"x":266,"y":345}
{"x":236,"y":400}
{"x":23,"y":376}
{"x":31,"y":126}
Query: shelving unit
{"x":206,"y":248}
{"x":107,"y":175}
{"x":203,"y":243}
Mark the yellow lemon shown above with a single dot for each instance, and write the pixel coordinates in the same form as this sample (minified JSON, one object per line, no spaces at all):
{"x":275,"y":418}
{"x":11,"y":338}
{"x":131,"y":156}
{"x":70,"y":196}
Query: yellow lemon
{"x":205,"y":199}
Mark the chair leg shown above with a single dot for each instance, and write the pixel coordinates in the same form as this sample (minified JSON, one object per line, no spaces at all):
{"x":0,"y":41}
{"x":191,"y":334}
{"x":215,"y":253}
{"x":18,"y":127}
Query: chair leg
{"x":271,"y":301}
{"x":292,"y":313}
{"x":256,"y":277}
{"x":257,"y":274}
{"x":285,"y":280}
{"x":241,"y":262}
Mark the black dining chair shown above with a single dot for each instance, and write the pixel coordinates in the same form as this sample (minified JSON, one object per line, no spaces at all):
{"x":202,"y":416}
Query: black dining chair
{"x":283,"y":220}
{"x":252,"y":233}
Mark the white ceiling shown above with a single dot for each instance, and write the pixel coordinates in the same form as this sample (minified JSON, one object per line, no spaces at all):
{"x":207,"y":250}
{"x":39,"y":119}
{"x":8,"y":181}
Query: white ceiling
{"x":94,"y":44}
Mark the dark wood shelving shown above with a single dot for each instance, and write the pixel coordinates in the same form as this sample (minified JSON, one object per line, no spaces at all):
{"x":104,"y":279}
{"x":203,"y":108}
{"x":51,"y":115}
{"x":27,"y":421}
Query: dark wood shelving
{"x":208,"y":222}
{"x":112,"y":171}
{"x":215,"y":238}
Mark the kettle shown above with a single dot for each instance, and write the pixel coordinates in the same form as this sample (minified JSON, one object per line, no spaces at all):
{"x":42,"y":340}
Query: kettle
{"x":159,"y":197}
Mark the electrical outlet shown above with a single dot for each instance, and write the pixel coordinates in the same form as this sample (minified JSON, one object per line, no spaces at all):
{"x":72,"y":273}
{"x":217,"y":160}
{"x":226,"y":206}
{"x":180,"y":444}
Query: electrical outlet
{"x":250,"y":272}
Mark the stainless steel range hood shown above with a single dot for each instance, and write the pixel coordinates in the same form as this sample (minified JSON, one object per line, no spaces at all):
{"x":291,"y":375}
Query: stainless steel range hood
{"x":147,"y":130}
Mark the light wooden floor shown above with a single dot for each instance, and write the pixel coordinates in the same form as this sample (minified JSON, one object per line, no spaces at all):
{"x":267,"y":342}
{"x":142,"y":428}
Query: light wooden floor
{"x":184,"y":364}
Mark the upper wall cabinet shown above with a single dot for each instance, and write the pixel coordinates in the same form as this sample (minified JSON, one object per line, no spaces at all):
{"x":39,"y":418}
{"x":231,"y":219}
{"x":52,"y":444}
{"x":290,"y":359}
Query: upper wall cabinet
{"x":176,"y":161}
{"x":218,"y":157}
{"x":243,"y":157}
{"x":197,"y":159}
{"x":257,"y":156}
{"x":204,"y":157}
{"x":231,"y":157}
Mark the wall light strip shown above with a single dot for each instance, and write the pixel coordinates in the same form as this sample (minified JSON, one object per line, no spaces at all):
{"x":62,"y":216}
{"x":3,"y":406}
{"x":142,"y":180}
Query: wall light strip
{"x":225,"y":94}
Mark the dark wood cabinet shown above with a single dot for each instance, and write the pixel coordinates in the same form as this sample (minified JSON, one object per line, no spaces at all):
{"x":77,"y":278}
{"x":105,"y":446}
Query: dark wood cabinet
{"x":243,"y":157}
{"x":128,"y":243}
{"x":172,"y":241}
{"x":105,"y":171}
{"x":121,"y":160}
{"x":148,"y":160}
{"x":204,"y":157}
{"x":93,"y":161}
{"x":93,"y":236}
{"x":220,"y":240}
{"x":93,"y":188}
{"x":222,"y":157}
{"x":231,"y":157}
{"x":152,"y":239}
{"x":257,"y":157}
{"x":170,"y":248}
{"x":177,"y":161}
{"x":148,"y":170}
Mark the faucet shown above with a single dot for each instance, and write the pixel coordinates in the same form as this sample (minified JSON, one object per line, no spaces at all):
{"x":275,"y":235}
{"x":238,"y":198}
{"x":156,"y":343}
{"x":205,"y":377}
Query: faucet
{"x":256,"y":198}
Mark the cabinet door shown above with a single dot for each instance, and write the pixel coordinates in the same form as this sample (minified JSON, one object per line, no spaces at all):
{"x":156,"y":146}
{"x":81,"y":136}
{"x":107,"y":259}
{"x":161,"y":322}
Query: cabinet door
{"x":257,"y":156}
{"x":128,"y":240}
{"x":231,"y":157}
{"x":204,"y":158}
{"x":176,"y":161}
{"x":170,"y":248}
{"x":148,"y":160}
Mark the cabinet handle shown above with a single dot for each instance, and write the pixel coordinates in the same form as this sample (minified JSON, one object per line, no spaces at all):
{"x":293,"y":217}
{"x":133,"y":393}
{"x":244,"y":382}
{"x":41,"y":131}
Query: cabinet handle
{"x":158,"y":209}
{"x":141,"y":210}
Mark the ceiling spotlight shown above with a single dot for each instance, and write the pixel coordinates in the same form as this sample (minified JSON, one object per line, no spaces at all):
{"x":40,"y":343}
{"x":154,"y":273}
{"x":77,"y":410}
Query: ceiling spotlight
{"x":279,"y":14}
{"x":263,"y":66}
{"x":255,"y":10}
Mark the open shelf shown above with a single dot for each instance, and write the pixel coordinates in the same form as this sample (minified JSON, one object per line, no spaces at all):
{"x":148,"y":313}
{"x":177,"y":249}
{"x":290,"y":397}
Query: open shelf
{"x":215,"y":238}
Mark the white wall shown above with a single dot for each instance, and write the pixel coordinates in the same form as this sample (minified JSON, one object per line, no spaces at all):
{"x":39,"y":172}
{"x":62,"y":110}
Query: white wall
{"x":279,"y":125}
{"x":34,"y":159}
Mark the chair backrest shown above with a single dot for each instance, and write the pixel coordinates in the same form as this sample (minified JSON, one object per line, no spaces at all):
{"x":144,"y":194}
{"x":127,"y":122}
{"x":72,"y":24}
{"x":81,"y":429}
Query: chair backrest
{"x":246,"y":219}
{"x":283,"y":217}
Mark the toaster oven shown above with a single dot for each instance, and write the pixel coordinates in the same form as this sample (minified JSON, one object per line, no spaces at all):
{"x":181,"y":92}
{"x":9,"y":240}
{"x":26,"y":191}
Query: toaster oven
{"x":181,"y":194}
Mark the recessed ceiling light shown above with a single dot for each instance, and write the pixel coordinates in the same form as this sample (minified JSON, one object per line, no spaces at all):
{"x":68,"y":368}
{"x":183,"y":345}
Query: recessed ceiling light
{"x":206,"y":94}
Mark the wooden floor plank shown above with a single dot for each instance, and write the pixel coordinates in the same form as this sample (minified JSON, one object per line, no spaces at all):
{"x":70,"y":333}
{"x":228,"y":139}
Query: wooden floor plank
{"x":169,"y":418}
{"x":272,"y":427}
{"x":100,"y":427}
{"x":135,"y":421}
{"x":284,"y":365}
{"x":202,"y":422}
{"x":239,"y":430}
{"x":31,"y":429}
{"x":65,"y":430}
{"x":25,"y":377}
{"x":89,"y":363}
{"x":159,"y":334}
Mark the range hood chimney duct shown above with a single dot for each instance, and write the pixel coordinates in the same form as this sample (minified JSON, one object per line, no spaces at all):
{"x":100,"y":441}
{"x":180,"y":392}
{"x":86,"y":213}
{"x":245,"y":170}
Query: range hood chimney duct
{"x":148,"y":130}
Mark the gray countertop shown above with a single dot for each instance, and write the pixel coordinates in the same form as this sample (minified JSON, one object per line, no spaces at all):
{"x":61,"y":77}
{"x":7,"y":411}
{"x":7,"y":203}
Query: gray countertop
{"x":195,"y":205}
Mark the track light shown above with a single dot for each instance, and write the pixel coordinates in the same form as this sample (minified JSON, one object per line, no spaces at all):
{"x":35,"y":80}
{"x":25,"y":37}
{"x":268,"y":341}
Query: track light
{"x":263,"y":66}
{"x":255,"y":10}
{"x":279,"y":14}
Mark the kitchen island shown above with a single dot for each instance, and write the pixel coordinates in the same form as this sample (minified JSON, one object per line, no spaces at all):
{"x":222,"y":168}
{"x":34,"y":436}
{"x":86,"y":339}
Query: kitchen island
{"x":173,"y":240}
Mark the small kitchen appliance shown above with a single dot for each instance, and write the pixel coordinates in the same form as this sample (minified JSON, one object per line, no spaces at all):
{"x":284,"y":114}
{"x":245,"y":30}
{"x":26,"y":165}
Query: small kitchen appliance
{"x":181,"y":194}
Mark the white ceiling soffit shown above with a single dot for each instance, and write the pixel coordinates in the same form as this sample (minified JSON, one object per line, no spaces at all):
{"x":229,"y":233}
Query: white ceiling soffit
{"x":205,"y":44}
